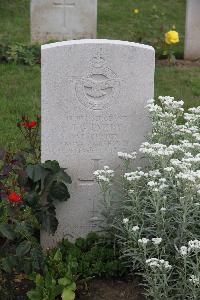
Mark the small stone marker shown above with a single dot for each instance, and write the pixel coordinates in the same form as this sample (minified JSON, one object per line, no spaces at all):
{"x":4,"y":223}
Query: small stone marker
{"x":63,"y":19}
{"x":192,"y":32}
{"x":94,"y":94}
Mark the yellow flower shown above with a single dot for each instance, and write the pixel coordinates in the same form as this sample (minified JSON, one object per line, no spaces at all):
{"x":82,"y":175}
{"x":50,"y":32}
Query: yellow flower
{"x":136,"y":11}
{"x":171,"y":37}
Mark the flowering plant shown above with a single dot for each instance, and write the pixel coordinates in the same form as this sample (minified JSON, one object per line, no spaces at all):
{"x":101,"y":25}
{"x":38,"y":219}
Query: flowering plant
{"x":28,"y":192}
{"x":171,"y":38}
{"x":159,"y":229}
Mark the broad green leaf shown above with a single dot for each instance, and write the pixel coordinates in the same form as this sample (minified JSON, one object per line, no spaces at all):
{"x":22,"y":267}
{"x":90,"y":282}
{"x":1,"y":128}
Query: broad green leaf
{"x":58,"y":192}
{"x":34,"y":172}
{"x":23,"y":248}
{"x":72,"y":286}
{"x":7,"y":231}
{"x":52,"y":165}
{"x":31,"y":198}
{"x":63,"y":176}
{"x":34,"y":295}
{"x":49,"y":223}
{"x":39,"y":279}
{"x":68,"y":294}
{"x":64,"y":281}
{"x":9,"y":263}
{"x":37,"y":257}
{"x":58,"y":256}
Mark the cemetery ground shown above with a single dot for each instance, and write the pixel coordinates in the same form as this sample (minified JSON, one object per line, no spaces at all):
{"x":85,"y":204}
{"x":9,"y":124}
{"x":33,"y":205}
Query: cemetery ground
{"x":20,"y":94}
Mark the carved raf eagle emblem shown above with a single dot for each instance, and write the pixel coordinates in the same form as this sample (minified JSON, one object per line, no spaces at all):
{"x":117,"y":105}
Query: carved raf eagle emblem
{"x":99,"y":87}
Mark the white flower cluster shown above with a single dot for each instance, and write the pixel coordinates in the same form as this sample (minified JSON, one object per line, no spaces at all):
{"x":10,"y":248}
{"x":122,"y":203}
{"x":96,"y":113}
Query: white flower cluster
{"x":183,"y":251}
{"x":134,"y":228}
{"x":132,"y":176}
{"x":170,"y":103}
{"x":127,"y":156}
{"x":169,"y":107}
{"x":125,"y":220}
{"x":158,"y":185}
{"x":189,"y":175}
{"x":104,"y":175}
{"x":157,"y":149}
{"x":155,"y":241}
{"x":158,"y":263}
{"x":193,"y":246}
{"x":143,"y":241}
{"x":194,"y":279}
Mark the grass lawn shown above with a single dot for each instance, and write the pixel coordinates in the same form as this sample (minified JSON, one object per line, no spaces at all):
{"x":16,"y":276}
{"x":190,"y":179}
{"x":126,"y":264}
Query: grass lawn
{"x":20,"y":94}
{"x":116,"y":20}
{"x":20,"y":85}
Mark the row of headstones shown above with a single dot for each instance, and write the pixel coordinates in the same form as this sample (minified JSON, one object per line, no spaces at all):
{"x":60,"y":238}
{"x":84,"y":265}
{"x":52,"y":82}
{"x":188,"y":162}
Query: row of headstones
{"x":76,"y":19}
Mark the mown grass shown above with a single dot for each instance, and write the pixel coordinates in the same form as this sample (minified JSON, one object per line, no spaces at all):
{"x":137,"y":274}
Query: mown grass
{"x":20,"y":85}
{"x":116,"y":20}
{"x":14,"y":21}
{"x":20,"y":94}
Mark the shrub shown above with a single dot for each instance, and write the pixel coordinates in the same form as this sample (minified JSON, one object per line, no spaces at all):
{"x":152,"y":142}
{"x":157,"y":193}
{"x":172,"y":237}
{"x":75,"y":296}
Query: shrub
{"x":87,"y":258}
{"x":159,"y":231}
{"x":28,"y":192}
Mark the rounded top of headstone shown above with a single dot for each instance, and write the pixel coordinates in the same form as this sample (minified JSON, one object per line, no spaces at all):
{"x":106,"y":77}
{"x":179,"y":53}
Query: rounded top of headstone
{"x":96,"y":41}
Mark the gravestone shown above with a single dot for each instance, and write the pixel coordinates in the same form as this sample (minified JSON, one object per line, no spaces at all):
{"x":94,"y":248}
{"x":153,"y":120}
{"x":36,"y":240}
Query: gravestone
{"x":192,"y":31}
{"x":63,"y":19}
{"x":94,"y":94}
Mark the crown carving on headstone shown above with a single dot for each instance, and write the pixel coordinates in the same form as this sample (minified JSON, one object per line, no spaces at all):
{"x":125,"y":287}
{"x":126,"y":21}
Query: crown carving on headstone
{"x":98,"y":61}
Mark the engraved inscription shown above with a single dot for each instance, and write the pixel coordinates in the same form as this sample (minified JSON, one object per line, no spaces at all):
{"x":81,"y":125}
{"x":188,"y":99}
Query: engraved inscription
{"x":90,"y":179}
{"x":100,"y":86}
{"x":97,"y":133}
{"x":64,"y":4}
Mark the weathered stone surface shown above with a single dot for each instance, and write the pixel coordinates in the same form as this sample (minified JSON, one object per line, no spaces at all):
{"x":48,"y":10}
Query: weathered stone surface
{"x":63,"y":19}
{"x":94,"y":94}
{"x":192,"y":30}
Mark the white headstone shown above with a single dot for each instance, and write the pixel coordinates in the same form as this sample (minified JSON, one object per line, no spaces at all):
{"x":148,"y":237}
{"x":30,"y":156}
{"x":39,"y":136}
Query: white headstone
{"x":94,"y":94}
{"x":192,"y":31}
{"x":63,"y":19}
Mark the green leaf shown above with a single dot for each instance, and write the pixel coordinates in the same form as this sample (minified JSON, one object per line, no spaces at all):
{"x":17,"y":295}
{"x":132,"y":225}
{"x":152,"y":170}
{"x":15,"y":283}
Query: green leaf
{"x":58,"y":256}
{"x":51,"y":165}
{"x":39,"y":279}
{"x":58,"y":192}
{"x":31,"y":199}
{"x":37,"y":257}
{"x":63,"y":176}
{"x":64,"y":281}
{"x":49,"y":221}
{"x":34,"y":295}
{"x":68,"y":294}
{"x":34,"y":172}
{"x":7,"y":231}
{"x":9,"y":263}
{"x":23,"y":248}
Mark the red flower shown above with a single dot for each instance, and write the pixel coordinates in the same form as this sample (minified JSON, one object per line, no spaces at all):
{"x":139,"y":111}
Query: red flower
{"x":14,"y":197}
{"x":31,"y":124}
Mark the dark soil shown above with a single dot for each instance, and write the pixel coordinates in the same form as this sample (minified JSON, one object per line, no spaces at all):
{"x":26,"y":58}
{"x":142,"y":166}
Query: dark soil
{"x":112,"y":289}
{"x":179,"y":63}
{"x":97,"y":289}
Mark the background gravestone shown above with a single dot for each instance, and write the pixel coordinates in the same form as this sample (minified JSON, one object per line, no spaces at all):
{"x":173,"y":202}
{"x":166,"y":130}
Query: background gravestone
{"x":192,"y":31}
{"x":94,"y":94}
{"x":63,"y":19}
